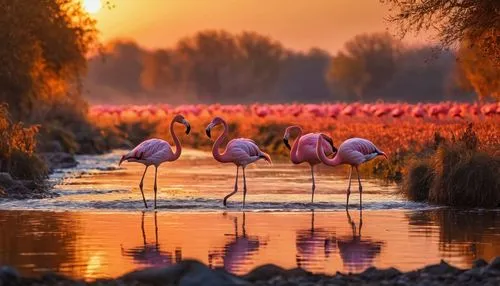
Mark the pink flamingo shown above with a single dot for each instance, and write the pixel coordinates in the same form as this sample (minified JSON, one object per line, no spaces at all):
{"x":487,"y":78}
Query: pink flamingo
{"x":155,"y":152}
{"x":241,"y":152}
{"x":304,"y":150}
{"x":354,"y":152}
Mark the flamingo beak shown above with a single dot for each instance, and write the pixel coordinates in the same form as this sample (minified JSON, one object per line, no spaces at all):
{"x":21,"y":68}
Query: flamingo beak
{"x":121,"y":160}
{"x":188,"y":127}
{"x":285,"y":140}
{"x":330,"y":141}
{"x":207,"y":131}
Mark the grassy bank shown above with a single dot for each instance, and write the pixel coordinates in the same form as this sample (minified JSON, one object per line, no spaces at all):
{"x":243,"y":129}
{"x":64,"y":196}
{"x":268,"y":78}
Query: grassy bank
{"x":456,"y":173}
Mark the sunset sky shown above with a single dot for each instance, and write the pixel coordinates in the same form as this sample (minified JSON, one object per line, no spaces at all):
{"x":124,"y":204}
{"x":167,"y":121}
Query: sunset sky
{"x":298,"y":24}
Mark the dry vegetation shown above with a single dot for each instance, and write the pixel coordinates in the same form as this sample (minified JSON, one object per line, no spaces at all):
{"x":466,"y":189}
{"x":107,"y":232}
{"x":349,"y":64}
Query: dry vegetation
{"x":17,"y":149}
{"x":458,"y":173}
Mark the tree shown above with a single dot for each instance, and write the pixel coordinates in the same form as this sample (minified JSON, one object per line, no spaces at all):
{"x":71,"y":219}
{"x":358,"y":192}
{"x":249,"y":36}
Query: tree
{"x":42,"y":55}
{"x":477,"y":21}
{"x":480,"y":72}
{"x":367,"y":63}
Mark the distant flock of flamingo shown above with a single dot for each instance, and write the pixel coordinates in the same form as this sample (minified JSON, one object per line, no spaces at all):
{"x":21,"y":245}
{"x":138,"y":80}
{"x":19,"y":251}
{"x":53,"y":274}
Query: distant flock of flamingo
{"x":391,"y":110}
{"x":312,"y":148}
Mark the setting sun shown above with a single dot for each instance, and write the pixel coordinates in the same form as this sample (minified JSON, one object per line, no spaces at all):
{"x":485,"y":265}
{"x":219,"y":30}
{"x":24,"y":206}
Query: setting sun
{"x":92,"y":6}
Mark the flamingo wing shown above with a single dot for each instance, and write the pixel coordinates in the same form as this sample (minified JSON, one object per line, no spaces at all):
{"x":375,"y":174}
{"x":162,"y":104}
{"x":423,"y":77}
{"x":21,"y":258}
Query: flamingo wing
{"x":356,"y":151}
{"x":151,"y":151}
{"x":243,"y":151}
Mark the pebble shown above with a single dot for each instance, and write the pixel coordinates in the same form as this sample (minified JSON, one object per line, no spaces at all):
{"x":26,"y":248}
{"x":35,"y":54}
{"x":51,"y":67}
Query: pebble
{"x":191,"y":272}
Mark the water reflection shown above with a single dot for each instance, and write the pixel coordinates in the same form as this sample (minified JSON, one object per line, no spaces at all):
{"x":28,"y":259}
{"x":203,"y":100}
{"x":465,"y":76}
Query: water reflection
{"x":238,"y":251}
{"x":36,"y":242}
{"x":470,"y":234}
{"x":88,"y":245}
{"x":314,"y":246}
{"x":357,"y":253}
{"x":150,"y":254}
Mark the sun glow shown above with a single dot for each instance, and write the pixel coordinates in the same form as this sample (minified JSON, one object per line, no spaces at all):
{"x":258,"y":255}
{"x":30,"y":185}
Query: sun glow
{"x":92,"y":6}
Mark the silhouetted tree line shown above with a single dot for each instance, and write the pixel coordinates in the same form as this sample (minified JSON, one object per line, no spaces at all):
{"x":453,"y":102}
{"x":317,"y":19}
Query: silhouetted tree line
{"x":216,"y":66}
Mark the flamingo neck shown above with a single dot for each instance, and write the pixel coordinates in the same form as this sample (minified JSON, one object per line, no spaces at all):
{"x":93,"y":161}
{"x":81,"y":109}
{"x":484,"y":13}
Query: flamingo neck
{"x":295,"y":147}
{"x":215,"y":149}
{"x":337,"y":160}
{"x":177,"y":143}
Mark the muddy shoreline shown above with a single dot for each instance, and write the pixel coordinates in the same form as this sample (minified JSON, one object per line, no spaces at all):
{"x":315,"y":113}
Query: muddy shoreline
{"x":191,"y":272}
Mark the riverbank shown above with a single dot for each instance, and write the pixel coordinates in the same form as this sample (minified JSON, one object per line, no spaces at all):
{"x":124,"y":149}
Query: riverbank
{"x":191,"y":272}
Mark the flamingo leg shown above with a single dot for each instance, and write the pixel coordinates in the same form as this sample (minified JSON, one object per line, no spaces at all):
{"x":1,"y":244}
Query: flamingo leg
{"x":244,"y":187}
{"x":348,"y":189}
{"x":141,"y":184}
{"x":142,"y":228}
{"x":156,"y":232}
{"x":235,"y":187}
{"x":313,"y":184}
{"x":156,"y":187}
{"x":360,"y":190}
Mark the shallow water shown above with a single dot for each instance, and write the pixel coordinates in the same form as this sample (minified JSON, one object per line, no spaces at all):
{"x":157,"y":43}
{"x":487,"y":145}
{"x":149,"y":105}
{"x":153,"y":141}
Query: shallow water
{"x":97,"y":227}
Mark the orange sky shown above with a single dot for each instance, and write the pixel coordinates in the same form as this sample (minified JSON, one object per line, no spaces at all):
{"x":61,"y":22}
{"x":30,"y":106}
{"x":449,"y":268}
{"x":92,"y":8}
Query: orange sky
{"x":298,"y":24}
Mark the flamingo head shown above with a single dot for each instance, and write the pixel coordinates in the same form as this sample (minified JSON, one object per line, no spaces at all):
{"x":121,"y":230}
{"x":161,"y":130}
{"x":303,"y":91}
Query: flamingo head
{"x":179,"y":118}
{"x":330,"y":141}
{"x":121,"y":160}
{"x":216,"y":121}
{"x":286,"y":137}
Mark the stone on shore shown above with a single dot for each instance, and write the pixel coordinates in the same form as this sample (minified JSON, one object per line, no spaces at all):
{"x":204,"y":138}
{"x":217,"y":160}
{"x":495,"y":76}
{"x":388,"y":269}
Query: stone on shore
{"x":59,"y":160}
{"x":191,"y":272}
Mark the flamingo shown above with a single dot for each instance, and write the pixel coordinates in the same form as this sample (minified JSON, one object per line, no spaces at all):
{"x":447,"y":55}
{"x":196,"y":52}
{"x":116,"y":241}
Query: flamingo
{"x":310,"y":242}
{"x":354,"y":152}
{"x":304,"y":150}
{"x":241,"y":152}
{"x":151,"y":254}
{"x":357,"y":253}
{"x":238,"y":250}
{"x":155,"y":152}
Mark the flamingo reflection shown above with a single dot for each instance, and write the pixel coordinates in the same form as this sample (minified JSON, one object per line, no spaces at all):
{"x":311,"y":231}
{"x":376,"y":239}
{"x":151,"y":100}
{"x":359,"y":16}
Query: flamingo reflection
{"x":238,"y":251}
{"x":357,"y":253}
{"x":150,"y":254}
{"x":311,"y":242}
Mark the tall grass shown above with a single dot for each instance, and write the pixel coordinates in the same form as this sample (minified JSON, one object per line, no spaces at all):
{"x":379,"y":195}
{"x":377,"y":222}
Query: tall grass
{"x":458,"y":173}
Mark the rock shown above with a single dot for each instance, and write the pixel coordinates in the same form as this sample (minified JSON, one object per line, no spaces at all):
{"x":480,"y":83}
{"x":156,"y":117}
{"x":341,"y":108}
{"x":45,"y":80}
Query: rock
{"x":441,"y":269}
{"x":53,"y":278}
{"x":472,"y":273}
{"x":479,"y":263}
{"x":8,"y":274}
{"x":59,"y":160}
{"x":52,"y":146}
{"x":29,"y":184}
{"x":18,"y":189}
{"x":495,"y":263}
{"x":264,"y":272}
{"x":297,"y":272}
{"x":373,"y":273}
{"x":199,"y":274}
{"x":186,"y":273}
{"x":6,"y":180}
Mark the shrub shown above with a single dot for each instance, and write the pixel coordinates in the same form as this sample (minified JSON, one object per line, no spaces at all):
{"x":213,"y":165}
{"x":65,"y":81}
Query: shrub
{"x":456,"y":174}
{"x":26,"y":166}
{"x":418,"y":181}
{"x":465,"y":178}
{"x":17,"y":149}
